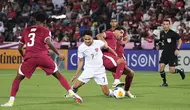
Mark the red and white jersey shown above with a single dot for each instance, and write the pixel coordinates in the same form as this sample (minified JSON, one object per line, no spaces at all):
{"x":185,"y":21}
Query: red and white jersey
{"x":92,"y":54}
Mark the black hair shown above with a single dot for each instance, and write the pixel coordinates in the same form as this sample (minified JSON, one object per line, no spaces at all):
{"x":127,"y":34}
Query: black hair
{"x":87,"y":32}
{"x":40,"y":16}
{"x":114,"y":18}
{"x":120,"y":28}
{"x":166,"y":20}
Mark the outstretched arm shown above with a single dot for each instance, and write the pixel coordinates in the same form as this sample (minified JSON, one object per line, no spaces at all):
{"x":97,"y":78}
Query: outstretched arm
{"x":111,"y":50}
{"x":101,"y":36}
{"x":49,"y":43}
{"x":79,"y":67}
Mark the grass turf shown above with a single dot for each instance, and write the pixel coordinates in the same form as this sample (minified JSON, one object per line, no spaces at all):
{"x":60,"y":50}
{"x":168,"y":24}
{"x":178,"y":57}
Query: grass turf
{"x":45,"y":93}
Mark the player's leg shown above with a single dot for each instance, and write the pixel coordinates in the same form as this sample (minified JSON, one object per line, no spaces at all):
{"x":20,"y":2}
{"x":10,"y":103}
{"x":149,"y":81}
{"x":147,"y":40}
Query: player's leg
{"x":128,"y":81}
{"x":101,"y":79}
{"x":50,"y":67}
{"x":119,"y":71}
{"x":82,"y":79}
{"x":162,"y":63}
{"x":63,"y":81}
{"x":110,"y":63}
{"x":75,"y":87}
{"x":106,"y":90}
{"x":163,"y":75}
{"x":14,"y":90}
{"x":172,"y":69}
{"x":26,"y":69}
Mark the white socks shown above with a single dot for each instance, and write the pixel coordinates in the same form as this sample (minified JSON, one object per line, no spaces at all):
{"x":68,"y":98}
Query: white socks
{"x":116,"y":81}
{"x":71,"y":91}
{"x":11,"y":99}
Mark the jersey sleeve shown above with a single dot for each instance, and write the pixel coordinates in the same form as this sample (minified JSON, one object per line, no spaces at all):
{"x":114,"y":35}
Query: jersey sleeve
{"x":22,"y":38}
{"x":100,"y":43}
{"x":108,"y":34}
{"x":80,"y":53}
{"x":177,"y":36}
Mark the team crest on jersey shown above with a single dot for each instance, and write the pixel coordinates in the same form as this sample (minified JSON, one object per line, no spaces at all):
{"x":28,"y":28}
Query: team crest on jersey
{"x":169,"y":40}
{"x":96,"y":49}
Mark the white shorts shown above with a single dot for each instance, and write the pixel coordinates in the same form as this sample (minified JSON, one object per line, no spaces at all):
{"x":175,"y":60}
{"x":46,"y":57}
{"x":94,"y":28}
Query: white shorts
{"x":99,"y":75}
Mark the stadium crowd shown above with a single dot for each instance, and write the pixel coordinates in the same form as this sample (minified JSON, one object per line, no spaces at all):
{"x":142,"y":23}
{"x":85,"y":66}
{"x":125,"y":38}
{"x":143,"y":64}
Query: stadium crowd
{"x":141,"y":18}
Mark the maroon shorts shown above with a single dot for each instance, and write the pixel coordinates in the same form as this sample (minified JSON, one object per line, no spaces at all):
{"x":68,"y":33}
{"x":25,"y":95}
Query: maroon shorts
{"x":45,"y":63}
{"x":110,"y":61}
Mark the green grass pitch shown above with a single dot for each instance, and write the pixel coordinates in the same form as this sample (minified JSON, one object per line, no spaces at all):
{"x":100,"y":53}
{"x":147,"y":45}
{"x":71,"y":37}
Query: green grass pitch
{"x":45,"y":93}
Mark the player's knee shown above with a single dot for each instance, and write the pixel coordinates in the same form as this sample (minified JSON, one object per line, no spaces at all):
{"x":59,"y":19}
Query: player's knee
{"x":19,"y":77}
{"x":131,"y":73}
{"x":56,"y":74}
{"x":172,"y":70}
{"x":161,"y":68}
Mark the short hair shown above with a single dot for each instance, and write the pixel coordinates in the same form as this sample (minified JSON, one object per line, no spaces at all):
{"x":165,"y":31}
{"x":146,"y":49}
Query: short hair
{"x":120,"y":28}
{"x":87,"y":32}
{"x":40,"y":16}
{"x":114,"y":18}
{"x":166,"y":20}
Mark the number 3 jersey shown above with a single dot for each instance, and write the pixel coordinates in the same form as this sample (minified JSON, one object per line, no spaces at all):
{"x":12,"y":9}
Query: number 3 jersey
{"x":34,"y":38}
{"x":92,"y":54}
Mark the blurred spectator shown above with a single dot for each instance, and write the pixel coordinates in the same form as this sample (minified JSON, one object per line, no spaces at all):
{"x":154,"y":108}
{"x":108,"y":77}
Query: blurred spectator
{"x":141,"y":18}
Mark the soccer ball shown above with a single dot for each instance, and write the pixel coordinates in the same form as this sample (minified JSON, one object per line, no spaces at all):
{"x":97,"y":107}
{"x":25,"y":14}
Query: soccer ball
{"x":119,"y":92}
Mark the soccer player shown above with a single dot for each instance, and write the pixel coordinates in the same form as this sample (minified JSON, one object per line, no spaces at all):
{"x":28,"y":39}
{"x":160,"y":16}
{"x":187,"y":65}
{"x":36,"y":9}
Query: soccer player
{"x":170,"y":52}
{"x":120,"y":42}
{"x":114,"y":63}
{"x":90,"y":54}
{"x":111,"y":38}
{"x":36,"y":55}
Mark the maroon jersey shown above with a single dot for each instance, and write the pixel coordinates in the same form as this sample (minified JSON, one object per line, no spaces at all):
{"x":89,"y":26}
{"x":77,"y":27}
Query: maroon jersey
{"x":34,"y":38}
{"x":110,"y":39}
{"x":120,"y":48}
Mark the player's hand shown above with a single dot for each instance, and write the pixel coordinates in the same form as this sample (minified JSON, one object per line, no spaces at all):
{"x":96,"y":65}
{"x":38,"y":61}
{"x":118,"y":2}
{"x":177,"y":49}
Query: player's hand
{"x":62,"y":56}
{"x":73,"y":78}
{"x":123,"y":42}
{"x":176,"y":52}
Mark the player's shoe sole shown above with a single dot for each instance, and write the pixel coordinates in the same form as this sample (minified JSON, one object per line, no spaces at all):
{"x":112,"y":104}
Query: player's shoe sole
{"x":120,"y":84}
{"x":164,"y":85}
{"x":182,"y":74}
{"x":8,"y":104}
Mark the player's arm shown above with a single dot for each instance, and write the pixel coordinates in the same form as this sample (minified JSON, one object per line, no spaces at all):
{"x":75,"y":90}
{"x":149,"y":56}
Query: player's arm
{"x":101,"y":36}
{"x":110,"y":50}
{"x":179,"y":42}
{"x":21,"y":45}
{"x":125,"y":40}
{"x":51,"y":46}
{"x":79,"y":67}
{"x":20,"y":49}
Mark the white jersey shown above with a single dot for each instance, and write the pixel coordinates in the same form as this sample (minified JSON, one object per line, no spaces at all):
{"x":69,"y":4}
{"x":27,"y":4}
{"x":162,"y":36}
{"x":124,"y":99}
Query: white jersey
{"x":92,"y":54}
